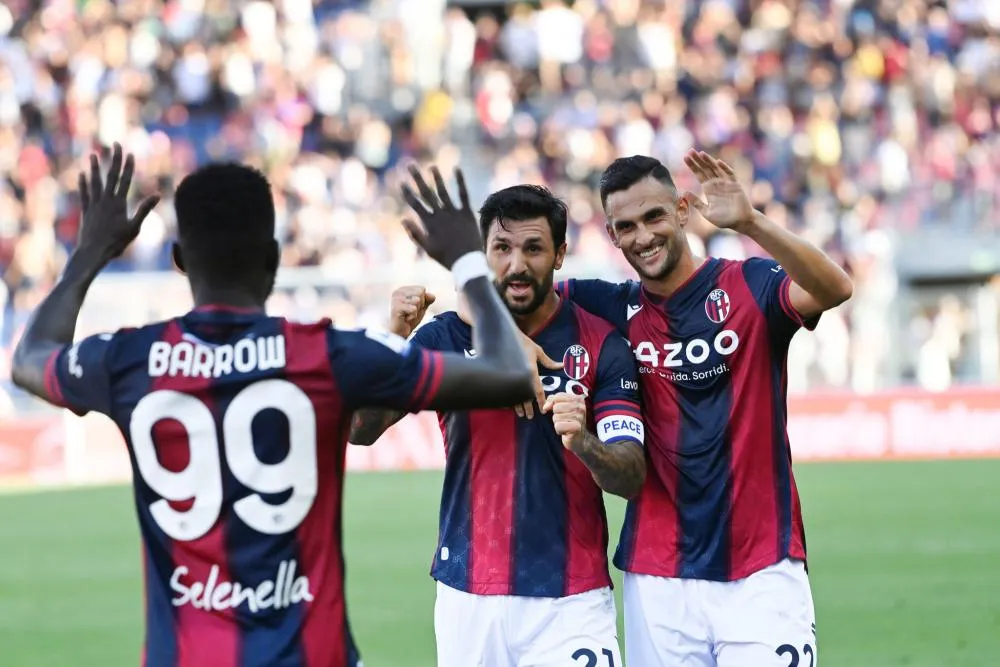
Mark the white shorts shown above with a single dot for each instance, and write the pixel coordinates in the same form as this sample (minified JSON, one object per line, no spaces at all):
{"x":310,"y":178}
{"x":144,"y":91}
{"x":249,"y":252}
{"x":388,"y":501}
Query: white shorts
{"x":508,"y":631}
{"x":765,"y":620}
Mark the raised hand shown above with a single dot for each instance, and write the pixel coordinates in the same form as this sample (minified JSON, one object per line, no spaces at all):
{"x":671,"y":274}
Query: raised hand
{"x":537,"y":356}
{"x":726,"y":204}
{"x":106,"y":229}
{"x":408,"y":306}
{"x":448,"y":232}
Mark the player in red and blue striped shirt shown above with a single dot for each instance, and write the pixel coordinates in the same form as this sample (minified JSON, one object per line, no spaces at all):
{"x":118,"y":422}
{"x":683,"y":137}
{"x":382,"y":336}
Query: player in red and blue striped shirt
{"x":521,"y":562}
{"x":714,"y":547}
{"x":236,"y":422}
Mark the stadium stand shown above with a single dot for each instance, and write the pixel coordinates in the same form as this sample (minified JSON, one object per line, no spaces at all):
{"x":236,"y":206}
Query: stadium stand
{"x":858,"y":123}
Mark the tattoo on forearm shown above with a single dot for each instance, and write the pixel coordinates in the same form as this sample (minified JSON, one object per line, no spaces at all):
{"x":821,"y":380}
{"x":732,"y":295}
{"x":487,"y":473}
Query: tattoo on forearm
{"x":618,"y":468}
{"x":368,"y":424}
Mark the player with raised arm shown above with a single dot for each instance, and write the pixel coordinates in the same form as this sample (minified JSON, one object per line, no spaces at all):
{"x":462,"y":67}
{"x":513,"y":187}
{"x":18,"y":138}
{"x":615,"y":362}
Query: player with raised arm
{"x":236,"y":422}
{"x":713,"y":548}
{"x":521,"y":562}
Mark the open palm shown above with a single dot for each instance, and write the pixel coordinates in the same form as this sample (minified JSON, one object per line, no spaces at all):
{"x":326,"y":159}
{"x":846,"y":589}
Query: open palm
{"x":106,"y":227}
{"x":726,"y":204}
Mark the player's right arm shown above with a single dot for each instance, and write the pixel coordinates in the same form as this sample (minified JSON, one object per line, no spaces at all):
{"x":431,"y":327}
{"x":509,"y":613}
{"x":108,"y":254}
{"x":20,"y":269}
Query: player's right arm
{"x":44,"y":363}
{"x":409,"y":304}
{"x":415,"y":379}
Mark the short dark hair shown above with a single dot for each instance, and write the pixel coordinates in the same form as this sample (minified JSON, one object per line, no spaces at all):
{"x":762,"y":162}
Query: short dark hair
{"x":225,"y":220}
{"x":524,"y":202}
{"x":625,"y":172}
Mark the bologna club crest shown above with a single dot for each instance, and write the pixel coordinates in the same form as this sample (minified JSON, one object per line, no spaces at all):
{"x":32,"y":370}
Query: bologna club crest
{"x":717,"y":306}
{"x":576,"y":361}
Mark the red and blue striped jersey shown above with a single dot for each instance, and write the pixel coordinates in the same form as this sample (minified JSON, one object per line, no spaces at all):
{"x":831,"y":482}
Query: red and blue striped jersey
{"x":236,"y":425}
{"x":520,"y":514}
{"x":720,"y":501}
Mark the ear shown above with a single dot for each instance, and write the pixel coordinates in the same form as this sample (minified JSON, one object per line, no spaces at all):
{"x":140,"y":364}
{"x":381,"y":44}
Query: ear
{"x":683,"y":212}
{"x":611,"y":234}
{"x":560,"y":256}
{"x":178,"y":258}
{"x":273,"y":257}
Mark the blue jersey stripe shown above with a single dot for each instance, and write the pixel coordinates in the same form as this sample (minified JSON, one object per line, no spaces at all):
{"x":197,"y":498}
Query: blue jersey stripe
{"x":704,"y":486}
{"x":780,"y":452}
{"x":454,"y":566}
{"x":269,"y":637}
{"x":161,"y":621}
{"x":161,"y":615}
{"x":541,"y":507}
{"x":353,"y":655}
{"x":704,"y":482}
{"x":625,"y":551}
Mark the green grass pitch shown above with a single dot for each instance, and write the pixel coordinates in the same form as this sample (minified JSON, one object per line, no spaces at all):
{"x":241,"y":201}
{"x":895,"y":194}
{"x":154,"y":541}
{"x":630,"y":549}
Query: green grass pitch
{"x":905,"y":564}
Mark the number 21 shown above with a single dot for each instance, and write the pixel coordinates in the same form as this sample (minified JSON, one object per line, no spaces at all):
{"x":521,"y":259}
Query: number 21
{"x":592,"y":657}
{"x":788,"y":649}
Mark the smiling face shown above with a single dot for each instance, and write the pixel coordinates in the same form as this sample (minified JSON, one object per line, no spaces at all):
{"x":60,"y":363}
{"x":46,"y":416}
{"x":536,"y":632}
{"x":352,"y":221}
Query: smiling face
{"x":646,"y":222}
{"x":523,"y":257}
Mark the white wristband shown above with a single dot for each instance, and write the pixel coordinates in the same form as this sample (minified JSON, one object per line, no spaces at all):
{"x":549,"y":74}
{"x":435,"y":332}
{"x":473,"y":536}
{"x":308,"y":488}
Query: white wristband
{"x":468,"y":266}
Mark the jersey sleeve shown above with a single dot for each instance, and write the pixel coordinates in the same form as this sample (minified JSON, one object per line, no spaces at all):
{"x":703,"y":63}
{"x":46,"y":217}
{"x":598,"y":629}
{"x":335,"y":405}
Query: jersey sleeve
{"x":78,"y":378}
{"x":609,"y":301}
{"x":376,"y":368}
{"x":769,"y":284}
{"x":428,"y":336}
{"x":616,"y":408}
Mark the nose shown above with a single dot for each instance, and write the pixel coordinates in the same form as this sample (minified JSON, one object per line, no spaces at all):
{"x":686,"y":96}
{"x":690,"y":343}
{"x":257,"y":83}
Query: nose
{"x":518,"y":263}
{"x":643,"y":237}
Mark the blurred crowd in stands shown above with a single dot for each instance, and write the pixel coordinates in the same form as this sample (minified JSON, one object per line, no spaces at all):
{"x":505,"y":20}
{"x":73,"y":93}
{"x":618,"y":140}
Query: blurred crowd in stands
{"x":851,"y":121}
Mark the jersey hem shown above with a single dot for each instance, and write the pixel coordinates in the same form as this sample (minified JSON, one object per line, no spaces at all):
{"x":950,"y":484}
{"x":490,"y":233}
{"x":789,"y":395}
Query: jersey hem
{"x":497,"y":589}
{"x":654,"y":570}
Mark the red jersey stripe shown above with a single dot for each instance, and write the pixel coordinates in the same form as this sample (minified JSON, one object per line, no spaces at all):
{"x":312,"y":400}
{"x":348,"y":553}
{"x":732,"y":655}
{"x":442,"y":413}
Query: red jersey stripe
{"x":324,"y":626}
{"x":754,"y":497}
{"x":203,"y":636}
{"x":494,"y":463}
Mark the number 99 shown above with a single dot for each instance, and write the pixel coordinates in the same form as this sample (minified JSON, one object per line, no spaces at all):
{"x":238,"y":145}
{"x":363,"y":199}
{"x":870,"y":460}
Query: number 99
{"x":201,"y":480}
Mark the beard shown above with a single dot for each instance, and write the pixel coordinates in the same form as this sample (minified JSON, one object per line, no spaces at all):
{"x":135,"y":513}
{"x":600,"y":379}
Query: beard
{"x":672,"y":255}
{"x":539,"y":290}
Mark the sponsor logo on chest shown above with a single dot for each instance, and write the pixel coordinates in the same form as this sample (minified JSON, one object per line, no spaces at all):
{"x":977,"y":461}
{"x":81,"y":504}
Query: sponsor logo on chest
{"x":701,"y":356}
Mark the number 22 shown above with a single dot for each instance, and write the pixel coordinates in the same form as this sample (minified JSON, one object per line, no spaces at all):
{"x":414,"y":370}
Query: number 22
{"x":788,"y":649}
{"x":592,"y":657}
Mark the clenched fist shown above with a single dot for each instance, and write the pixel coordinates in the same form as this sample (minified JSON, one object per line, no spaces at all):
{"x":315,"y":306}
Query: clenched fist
{"x":409,"y":305}
{"x":569,"y":416}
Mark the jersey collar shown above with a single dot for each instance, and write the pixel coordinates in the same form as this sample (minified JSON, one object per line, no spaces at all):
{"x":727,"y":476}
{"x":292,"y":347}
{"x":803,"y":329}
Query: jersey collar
{"x":693,"y":285}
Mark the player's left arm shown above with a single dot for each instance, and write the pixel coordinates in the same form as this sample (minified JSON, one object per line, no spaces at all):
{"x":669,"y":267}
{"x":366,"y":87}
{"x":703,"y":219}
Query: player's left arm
{"x":44,"y":364}
{"x":614,"y":454}
{"x":817,"y":282}
{"x":50,"y":329}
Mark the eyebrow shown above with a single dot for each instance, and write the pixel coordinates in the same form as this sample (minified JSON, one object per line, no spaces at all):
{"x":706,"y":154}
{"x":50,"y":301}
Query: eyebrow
{"x":651,"y":214}
{"x":506,"y":239}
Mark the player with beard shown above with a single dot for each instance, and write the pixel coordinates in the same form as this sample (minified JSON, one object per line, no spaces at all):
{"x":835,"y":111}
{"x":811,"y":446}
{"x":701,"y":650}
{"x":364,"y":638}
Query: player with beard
{"x":521,"y":562}
{"x":713,"y":548}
